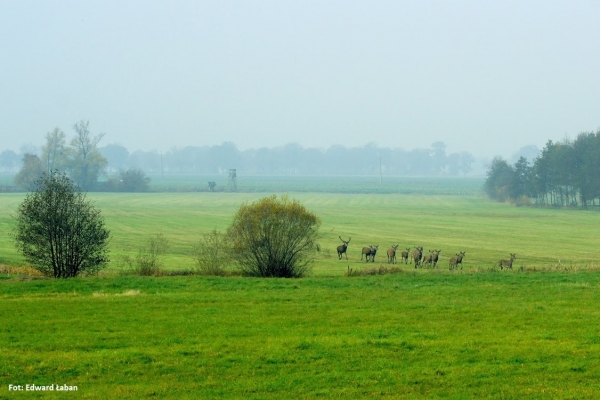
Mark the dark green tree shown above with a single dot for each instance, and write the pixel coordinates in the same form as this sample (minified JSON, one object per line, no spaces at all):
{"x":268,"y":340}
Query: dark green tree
{"x":520,"y":184}
{"x":586,"y":171}
{"x":58,"y":231}
{"x":499,"y":179}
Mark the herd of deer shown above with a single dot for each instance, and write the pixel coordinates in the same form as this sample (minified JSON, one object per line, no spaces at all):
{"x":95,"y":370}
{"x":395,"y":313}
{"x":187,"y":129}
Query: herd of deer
{"x":416,"y":255}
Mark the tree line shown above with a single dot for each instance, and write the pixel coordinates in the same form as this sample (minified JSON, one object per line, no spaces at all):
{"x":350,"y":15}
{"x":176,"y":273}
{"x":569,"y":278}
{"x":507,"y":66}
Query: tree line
{"x":86,"y":162}
{"x":293,"y":159}
{"x":566,"y":173}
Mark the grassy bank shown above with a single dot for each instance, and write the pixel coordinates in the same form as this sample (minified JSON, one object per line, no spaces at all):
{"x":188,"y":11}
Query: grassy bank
{"x":410,"y":335}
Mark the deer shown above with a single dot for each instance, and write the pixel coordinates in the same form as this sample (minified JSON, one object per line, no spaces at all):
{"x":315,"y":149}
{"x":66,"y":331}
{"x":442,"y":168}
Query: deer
{"x":435,"y":257}
{"x":373,"y":252}
{"x":369,"y":252}
{"x":405,"y":254}
{"x":454,"y":261}
{"x":366,"y":251}
{"x":507,"y":263}
{"x":341,"y":249}
{"x":417,"y":254}
{"x":428,"y":259}
{"x":391,"y":253}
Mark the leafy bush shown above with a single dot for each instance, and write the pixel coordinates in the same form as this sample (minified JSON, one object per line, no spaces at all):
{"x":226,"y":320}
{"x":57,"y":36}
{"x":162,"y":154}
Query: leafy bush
{"x":274,"y":238}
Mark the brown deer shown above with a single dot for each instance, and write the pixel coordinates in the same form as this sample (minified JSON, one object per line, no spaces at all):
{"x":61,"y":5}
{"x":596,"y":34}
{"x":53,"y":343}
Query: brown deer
{"x":454,"y":261}
{"x":366,"y":251}
{"x":341,"y":249}
{"x":405,"y":255}
{"x":507,"y":263}
{"x":369,"y":252}
{"x":435,"y":257}
{"x":417,"y":254}
{"x":391,"y":253}
{"x":428,"y":259}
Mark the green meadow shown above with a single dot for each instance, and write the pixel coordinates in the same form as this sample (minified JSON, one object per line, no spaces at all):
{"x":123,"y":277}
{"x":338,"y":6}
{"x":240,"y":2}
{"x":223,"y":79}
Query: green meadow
{"x":473,"y":333}
{"x":487,"y":231}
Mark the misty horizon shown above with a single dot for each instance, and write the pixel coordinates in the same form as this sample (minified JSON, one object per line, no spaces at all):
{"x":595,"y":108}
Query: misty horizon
{"x":484,"y":77}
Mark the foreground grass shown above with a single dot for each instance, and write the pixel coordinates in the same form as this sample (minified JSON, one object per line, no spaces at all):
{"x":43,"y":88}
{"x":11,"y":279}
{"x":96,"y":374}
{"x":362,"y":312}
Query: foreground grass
{"x":423,"y":335}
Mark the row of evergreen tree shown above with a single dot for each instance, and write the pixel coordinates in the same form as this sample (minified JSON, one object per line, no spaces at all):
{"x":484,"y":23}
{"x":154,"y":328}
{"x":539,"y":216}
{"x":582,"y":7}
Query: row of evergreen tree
{"x":566,"y":173}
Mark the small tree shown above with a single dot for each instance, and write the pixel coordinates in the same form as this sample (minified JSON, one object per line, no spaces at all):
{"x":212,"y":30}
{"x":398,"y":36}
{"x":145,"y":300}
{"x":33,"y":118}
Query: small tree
{"x":274,"y":238}
{"x":58,"y":231}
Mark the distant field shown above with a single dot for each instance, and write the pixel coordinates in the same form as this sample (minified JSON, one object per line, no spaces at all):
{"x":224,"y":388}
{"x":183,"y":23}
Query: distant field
{"x":323,"y":184}
{"x":485,"y":230}
{"x":319,"y":184}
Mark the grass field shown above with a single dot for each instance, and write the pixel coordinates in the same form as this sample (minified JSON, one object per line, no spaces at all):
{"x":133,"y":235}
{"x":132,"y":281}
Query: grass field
{"x":476,"y":333}
{"x":434,"y":335}
{"x":323,"y":184}
{"x":485,"y":230}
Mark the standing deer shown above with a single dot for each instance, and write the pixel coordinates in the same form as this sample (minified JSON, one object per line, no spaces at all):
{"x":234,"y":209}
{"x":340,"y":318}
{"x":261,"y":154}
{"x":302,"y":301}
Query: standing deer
{"x":435,"y":257}
{"x":454,"y":261}
{"x":341,"y":249}
{"x":417,"y":254}
{"x":428,"y":259}
{"x":391,"y":253}
{"x":366,"y":251}
{"x":507,"y":263}
{"x":405,"y":254}
{"x":373,"y":252}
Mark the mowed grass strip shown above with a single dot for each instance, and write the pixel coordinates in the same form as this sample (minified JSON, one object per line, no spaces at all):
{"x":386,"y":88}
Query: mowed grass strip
{"x":411,"y":335}
{"x":487,"y":231}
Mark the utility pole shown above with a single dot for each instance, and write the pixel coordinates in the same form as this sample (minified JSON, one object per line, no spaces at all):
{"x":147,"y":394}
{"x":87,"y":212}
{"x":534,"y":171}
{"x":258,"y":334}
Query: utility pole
{"x":380,"y":171}
{"x":162,"y":175}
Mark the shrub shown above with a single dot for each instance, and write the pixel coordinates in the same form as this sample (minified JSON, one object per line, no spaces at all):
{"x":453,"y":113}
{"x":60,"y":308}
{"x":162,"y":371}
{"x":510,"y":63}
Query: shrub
{"x":274,"y":238}
{"x":211,"y":254}
{"x":130,"y":180}
{"x":147,"y":262}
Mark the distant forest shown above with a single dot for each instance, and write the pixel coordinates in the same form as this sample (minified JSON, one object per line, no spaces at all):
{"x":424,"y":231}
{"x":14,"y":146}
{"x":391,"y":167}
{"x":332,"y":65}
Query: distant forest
{"x":293,"y":159}
{"x":566,"y":173}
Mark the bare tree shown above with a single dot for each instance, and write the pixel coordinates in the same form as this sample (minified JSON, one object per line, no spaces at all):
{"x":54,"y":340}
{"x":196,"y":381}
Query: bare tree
{"x":86,"y":161}
{"x":54,"y":152}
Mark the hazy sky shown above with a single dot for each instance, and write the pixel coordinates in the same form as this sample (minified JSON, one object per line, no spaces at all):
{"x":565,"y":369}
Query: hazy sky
{"x":483,"y":76}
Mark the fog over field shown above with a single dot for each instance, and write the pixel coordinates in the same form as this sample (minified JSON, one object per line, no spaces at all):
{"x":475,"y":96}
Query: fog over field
{"x":483,"y":77}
